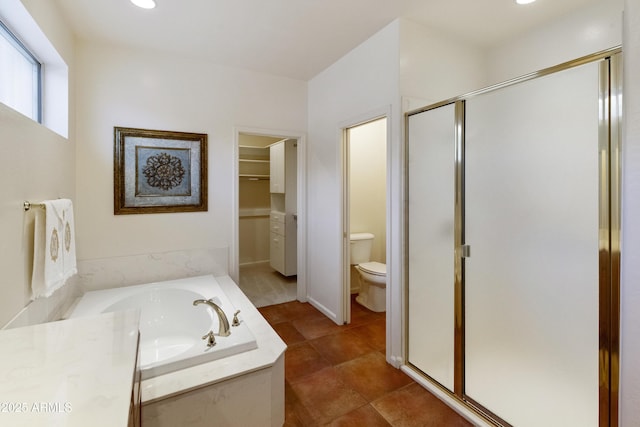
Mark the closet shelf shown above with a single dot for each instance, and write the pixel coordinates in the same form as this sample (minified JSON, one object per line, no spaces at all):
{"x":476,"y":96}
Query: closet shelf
{"x":254,"y":212}
{"x":253,"y":176}
{"x":253,"y":163}
{"x":254,"y":160}
{"x":253,"y":147}
{"x":253,"y":153}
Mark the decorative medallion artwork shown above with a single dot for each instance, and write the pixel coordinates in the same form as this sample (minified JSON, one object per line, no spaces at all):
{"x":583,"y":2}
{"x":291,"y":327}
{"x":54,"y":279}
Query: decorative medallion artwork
{"x":163,"y":171}
{"x":159,"y":171}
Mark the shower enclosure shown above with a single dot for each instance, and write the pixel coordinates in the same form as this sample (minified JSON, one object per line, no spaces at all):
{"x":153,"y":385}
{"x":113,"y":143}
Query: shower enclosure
{"x":512,"y":244}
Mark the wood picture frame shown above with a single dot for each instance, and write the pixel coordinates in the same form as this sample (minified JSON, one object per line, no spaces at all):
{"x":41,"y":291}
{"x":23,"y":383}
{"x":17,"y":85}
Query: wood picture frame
{"x":156,"y":171}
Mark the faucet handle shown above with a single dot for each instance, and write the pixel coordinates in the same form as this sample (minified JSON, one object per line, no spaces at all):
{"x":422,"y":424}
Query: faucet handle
{"x":235,"y":321}
{"x":211,"y":339}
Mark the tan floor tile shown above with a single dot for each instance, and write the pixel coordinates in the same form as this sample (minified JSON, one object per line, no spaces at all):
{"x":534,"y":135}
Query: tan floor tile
{"x":413,"y":406}
{"x":374,"y":333}
{"x":371,"y":376}
{"x":316,"y":392}
{"x":364,"y":416}
{"x":325,"y":396}
{"x":301,"y":360}
{"x":288,"y":333}
{"x":316,"y":327}
{"x":295,"y":412}
{"x":289,"y":311}
{"x":341,"y":347}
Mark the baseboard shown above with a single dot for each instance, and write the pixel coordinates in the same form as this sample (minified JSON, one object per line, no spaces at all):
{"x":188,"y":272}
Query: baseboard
{"x":245,"y":264}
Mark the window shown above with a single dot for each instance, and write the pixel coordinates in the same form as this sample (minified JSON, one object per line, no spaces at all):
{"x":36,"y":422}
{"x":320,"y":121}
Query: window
{"x":20,"y":76}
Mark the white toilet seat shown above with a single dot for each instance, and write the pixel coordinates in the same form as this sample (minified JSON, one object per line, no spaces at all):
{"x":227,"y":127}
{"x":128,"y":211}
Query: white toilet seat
{"x":375,"y":268}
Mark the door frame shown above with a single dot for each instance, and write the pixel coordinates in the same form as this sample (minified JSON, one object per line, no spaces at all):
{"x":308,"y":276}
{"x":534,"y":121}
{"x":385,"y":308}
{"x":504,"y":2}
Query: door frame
{"x":234,"y":247}
{"x":372,"y":116}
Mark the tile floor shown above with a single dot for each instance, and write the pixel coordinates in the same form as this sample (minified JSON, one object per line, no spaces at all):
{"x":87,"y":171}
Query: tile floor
{"x":265,"y":286}
{"x":338,"y":375}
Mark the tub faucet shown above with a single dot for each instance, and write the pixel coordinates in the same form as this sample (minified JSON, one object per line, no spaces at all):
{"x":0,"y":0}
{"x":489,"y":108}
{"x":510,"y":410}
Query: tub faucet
{"x":223,"y":328}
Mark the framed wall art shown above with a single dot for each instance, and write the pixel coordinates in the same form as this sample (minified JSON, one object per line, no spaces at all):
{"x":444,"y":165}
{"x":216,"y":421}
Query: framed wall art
{"x":157,"y":171}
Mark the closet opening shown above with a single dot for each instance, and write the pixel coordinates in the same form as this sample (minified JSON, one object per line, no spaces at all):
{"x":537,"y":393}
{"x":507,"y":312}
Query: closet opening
{"x":268,"y":215}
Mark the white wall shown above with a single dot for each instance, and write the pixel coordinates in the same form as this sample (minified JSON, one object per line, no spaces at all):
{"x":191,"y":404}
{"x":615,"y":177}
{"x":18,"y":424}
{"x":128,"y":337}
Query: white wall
{"x":593,"y":28}
{"x":630,"y":287}
{"x":368,"y":184}
{"x":142,"y":89}
{"x":434,"y":67}
{"x":37,"y":164}
{"x":357,"y":87}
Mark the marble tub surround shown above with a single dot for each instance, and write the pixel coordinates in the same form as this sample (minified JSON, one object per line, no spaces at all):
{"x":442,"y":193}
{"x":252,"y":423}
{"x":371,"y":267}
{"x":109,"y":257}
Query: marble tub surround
{"x":47,"y":309}
{"x":270,"y":348}
{"x":256,"y":399}
{"x":170,"y":325}
{"x":76,"y":372}
{"x":245,"y":389}
{"x":115,"y":272}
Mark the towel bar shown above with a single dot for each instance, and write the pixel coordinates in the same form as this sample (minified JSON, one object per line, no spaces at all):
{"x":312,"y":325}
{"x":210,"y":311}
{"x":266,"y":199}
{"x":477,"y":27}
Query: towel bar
{"x":28,"y":205}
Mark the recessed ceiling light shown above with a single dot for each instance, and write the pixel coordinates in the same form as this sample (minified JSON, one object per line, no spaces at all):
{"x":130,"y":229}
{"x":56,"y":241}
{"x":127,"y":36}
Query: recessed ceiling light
{"x":145,"y":4}
{"x":524,"y":1}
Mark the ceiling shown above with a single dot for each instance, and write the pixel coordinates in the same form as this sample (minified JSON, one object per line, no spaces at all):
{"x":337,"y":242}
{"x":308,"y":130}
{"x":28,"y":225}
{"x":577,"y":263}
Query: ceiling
{"x":295,"y":38}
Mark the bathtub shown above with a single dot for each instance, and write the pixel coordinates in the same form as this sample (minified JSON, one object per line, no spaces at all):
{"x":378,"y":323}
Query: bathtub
{"x":171,"y":327}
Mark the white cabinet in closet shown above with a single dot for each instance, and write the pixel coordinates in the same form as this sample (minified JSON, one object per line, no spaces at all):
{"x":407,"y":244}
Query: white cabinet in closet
{"x":277,"y":167}
{"x":283,"y":187}
{"x":283,"y":245}
{"x":283,"y":169}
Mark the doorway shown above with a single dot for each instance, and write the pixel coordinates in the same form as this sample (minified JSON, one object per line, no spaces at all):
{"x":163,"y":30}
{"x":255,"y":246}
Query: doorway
{"x":365,"y":209}
{"x":268,"y":249}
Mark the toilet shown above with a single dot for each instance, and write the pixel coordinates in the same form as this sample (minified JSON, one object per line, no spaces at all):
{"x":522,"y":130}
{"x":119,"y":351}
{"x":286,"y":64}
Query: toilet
{"x":372,"y":275}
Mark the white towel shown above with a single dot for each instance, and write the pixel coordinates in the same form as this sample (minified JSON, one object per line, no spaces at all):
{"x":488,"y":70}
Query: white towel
{"x":54,"y":260}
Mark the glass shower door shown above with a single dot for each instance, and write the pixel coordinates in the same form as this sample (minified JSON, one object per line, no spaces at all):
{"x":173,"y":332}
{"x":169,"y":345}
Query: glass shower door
{"x":431,"y":194}
{"x":531,"y":220}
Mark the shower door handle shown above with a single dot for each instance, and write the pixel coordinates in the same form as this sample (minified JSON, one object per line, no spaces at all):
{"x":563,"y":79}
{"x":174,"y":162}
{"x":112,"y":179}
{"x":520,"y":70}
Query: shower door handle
{"x":464,"y":251}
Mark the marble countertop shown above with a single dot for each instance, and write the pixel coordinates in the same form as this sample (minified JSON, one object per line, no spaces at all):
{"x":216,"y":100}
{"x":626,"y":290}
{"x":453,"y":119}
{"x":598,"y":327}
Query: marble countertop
{"x":270,"y":348}
{"x":76,"y":372}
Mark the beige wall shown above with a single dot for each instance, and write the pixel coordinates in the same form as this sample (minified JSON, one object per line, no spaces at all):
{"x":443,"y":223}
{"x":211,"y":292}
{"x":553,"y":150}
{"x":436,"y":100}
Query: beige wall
{"x":368,"y":184}
{"x":253,"y":237}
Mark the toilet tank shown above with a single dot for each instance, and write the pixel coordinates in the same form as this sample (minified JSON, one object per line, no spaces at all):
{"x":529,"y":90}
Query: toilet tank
{"x":361,"y":244}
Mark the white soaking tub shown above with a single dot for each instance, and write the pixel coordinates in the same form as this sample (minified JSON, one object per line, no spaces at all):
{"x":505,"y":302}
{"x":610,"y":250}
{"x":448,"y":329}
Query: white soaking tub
{"x":171,"y":327}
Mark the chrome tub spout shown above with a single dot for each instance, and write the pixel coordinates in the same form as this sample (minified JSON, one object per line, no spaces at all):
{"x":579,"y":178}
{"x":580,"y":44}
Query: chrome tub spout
{"x":223,"y":329}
